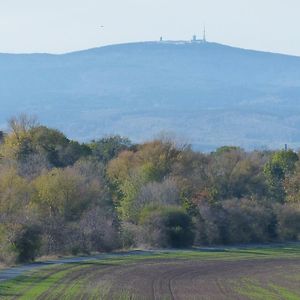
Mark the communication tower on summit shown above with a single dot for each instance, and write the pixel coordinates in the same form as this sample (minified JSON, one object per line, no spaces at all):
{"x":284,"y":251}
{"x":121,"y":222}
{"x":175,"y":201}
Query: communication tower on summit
{"x":195,"y":40}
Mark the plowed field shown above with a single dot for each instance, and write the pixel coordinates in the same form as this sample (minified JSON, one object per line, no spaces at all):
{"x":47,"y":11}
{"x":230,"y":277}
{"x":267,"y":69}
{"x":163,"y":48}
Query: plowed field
{"x":133,"y":277}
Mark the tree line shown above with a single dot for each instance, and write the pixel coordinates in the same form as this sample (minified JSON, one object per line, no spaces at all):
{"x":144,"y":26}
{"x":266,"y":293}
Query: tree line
{"x":59,"y":196}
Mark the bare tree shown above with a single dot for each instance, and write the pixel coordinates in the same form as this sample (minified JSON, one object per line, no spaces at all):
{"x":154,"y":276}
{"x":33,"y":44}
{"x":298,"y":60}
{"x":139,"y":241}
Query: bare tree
{"x":164,"y":193}
{"x":22,"y":123}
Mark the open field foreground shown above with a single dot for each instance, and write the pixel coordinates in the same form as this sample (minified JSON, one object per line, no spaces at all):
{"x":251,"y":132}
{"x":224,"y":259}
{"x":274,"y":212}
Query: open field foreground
{"x":248,"y":273}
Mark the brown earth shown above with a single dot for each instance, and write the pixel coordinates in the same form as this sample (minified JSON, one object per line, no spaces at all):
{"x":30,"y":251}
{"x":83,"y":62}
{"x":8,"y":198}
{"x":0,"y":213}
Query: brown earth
{"x":186,"y":279}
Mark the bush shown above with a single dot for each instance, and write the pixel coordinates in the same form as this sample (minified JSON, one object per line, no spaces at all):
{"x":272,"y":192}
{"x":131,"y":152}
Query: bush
{"x":28,"y":243}
{"x":288,"y":217}
{"x":8,"y":254}
{"x":208,"y":225}
{"x":249,"y":222}
{"x":167,"y":227}
{"x":131,"y":235}
{"x":236,"y":221}
{"x":98,"y":230}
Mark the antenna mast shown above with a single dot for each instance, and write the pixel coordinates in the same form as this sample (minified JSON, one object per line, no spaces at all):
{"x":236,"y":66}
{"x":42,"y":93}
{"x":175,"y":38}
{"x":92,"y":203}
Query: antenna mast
{"x":204,"y":34}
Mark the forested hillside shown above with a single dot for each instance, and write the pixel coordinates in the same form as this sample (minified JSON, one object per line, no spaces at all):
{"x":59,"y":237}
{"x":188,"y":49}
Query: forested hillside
{"x":59,"y":196}
{"x":211,"y":94}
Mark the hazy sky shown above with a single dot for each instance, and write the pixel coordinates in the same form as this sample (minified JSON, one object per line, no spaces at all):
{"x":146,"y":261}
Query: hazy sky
{"x":64,"y":25}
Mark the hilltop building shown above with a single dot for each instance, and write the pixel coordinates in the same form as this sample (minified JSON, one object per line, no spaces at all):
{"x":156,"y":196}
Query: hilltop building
{"x":195,"y":40}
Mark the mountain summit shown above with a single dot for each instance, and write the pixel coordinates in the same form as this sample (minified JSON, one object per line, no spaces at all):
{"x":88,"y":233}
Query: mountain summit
{"x":210,"y":94}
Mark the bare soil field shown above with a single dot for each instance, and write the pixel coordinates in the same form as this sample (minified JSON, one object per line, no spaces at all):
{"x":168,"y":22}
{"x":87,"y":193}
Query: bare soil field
{"x":184,"y":277}
{"x":165,"y":279}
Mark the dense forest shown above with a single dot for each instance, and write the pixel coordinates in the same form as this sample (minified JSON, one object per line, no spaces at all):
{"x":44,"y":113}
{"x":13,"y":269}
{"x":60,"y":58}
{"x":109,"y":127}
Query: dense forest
{"x":59,"y":196}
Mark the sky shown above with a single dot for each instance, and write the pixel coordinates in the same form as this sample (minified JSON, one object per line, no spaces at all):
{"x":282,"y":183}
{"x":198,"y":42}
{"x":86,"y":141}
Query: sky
{"x":59,"y":26}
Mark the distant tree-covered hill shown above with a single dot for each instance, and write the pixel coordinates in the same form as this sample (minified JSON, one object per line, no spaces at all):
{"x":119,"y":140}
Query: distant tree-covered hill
{"x":208,"y":93}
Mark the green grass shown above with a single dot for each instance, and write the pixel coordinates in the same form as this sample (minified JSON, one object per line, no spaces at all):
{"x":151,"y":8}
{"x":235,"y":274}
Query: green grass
{"x":15,"y":287}
{"x":71,"y":281}
{"x":35,"y":283}
{"x":44,"y":286}
{"x":292,"y":251}
{"x":254,"y":290}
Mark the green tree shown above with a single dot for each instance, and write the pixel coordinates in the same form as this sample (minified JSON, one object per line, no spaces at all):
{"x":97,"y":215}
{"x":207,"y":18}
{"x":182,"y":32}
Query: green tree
{"x":59,"y":150}
{"x":280,"y":166}
{"x":65,"y":192}
{"x":109,"y":147}
{"x":15,"y":192}
{"x":152,"y":162}
{"x":292,"y":185}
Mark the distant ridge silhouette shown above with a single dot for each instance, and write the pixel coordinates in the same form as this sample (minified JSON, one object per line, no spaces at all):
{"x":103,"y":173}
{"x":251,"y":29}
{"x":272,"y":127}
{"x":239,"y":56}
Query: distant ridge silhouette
{"x":209,"y":93}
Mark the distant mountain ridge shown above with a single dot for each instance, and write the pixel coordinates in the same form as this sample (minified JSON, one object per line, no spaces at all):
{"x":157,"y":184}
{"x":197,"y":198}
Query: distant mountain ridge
{"x":210,"y":94}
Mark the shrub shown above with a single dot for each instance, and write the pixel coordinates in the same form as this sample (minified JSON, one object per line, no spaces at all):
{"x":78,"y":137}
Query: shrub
{"x":208,"y":225}
{"x":167,"y":227}
{"x":8,"y":254}
{"x":288,"y":217}
{"x":235,"y":221}
{"x":27,"y":243}
{"x":95,"y":231}
{"x":131,"y":235}
{"x":248,"y":221}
